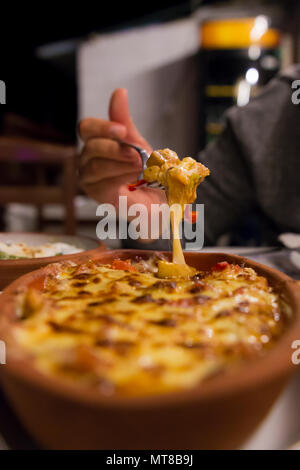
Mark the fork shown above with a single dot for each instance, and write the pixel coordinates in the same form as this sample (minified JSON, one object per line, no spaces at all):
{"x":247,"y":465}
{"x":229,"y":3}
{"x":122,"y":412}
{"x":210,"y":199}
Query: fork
{"x":144,"y":157}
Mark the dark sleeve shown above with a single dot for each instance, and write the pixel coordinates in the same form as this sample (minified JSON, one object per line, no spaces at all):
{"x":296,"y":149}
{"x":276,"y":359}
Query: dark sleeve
{"x":241,"y":161}
{"x":237,"y":159}
{"x":227,"y":192}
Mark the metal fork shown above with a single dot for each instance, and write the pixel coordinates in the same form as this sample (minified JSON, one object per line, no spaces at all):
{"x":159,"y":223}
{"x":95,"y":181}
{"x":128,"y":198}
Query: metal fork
{"x":144,"y":157}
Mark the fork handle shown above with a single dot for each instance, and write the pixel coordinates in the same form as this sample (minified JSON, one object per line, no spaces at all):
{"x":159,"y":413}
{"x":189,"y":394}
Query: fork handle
{"x":142,"y":152}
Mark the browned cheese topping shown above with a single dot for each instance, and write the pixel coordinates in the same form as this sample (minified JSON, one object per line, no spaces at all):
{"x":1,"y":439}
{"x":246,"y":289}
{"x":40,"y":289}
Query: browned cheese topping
{"x":122,"y":330}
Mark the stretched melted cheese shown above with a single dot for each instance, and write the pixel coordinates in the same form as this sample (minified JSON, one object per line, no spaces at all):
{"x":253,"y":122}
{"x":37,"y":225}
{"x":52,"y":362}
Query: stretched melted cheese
{"x":130,"y":333}
{"x":181,"y":179}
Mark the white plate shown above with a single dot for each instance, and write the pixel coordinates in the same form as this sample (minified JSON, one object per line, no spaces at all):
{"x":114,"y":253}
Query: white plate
{"x":35,"y":239}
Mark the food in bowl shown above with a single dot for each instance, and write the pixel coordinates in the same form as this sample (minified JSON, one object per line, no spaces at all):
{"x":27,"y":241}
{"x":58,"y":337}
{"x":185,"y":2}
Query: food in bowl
{"x":23,"y":252}
{"x":67,"y":412}
{"x":16,"y":250}
{"x":121,"y":330}
{"x":180,"y":177}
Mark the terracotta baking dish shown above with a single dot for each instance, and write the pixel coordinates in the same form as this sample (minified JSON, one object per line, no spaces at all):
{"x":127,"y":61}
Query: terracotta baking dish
{"x":218,"y":414}
{"x":12,"y":269}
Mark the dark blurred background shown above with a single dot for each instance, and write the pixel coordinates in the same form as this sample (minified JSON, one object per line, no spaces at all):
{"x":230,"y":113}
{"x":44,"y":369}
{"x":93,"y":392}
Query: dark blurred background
{"x":45,"y":89}
{"x":61,"y":61}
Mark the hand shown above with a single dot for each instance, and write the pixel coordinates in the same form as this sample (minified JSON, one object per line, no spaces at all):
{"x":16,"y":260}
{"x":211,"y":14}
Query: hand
{"x":106,"y":167}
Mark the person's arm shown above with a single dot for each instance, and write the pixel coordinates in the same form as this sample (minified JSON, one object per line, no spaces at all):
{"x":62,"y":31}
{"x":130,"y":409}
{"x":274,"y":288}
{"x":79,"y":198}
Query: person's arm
{"x":240,"y":160}
{"x":245,"y":163}
{"x":105,"y":167}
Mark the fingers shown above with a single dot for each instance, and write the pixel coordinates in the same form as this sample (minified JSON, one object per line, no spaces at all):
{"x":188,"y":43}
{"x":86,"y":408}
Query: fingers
{"x":109,"y":149}
{"x":100,"y":169}
{"x":105,"y":165}
{"x":119,"y":112}
{"x":119,"y":107}
{"x":120,"y":125}
{"x":93,"y":127}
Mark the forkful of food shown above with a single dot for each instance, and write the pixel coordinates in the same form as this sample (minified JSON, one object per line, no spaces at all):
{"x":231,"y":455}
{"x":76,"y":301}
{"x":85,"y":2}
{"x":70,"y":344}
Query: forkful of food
{"x":163,"y":169}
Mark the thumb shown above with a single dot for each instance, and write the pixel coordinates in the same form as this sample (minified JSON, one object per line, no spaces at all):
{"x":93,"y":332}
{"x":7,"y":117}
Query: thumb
{"x":119,"y":112}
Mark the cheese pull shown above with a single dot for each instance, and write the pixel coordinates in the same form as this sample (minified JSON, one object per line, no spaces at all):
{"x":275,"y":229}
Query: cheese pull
{"x":181,"y":179}
{"x":176,"y":217}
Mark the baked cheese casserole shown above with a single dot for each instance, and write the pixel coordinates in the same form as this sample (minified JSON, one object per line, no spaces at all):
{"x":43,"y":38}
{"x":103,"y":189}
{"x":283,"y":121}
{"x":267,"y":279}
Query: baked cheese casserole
{"x":124,"y":331}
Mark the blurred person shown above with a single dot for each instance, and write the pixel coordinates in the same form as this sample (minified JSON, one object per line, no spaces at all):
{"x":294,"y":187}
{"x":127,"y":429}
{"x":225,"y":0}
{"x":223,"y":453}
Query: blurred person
{"x":254,"y":164}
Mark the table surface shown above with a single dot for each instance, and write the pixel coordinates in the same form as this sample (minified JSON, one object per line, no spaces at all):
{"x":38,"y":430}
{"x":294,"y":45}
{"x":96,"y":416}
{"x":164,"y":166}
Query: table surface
{"x":281,"y":428}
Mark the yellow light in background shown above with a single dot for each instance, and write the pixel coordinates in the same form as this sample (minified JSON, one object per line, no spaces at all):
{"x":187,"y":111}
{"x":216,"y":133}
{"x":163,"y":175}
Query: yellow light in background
{"x":239,"y":33}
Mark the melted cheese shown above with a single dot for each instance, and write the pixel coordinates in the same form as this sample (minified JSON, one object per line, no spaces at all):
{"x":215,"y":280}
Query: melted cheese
{"x":126,"y":332}
{"x":181,"y":179}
